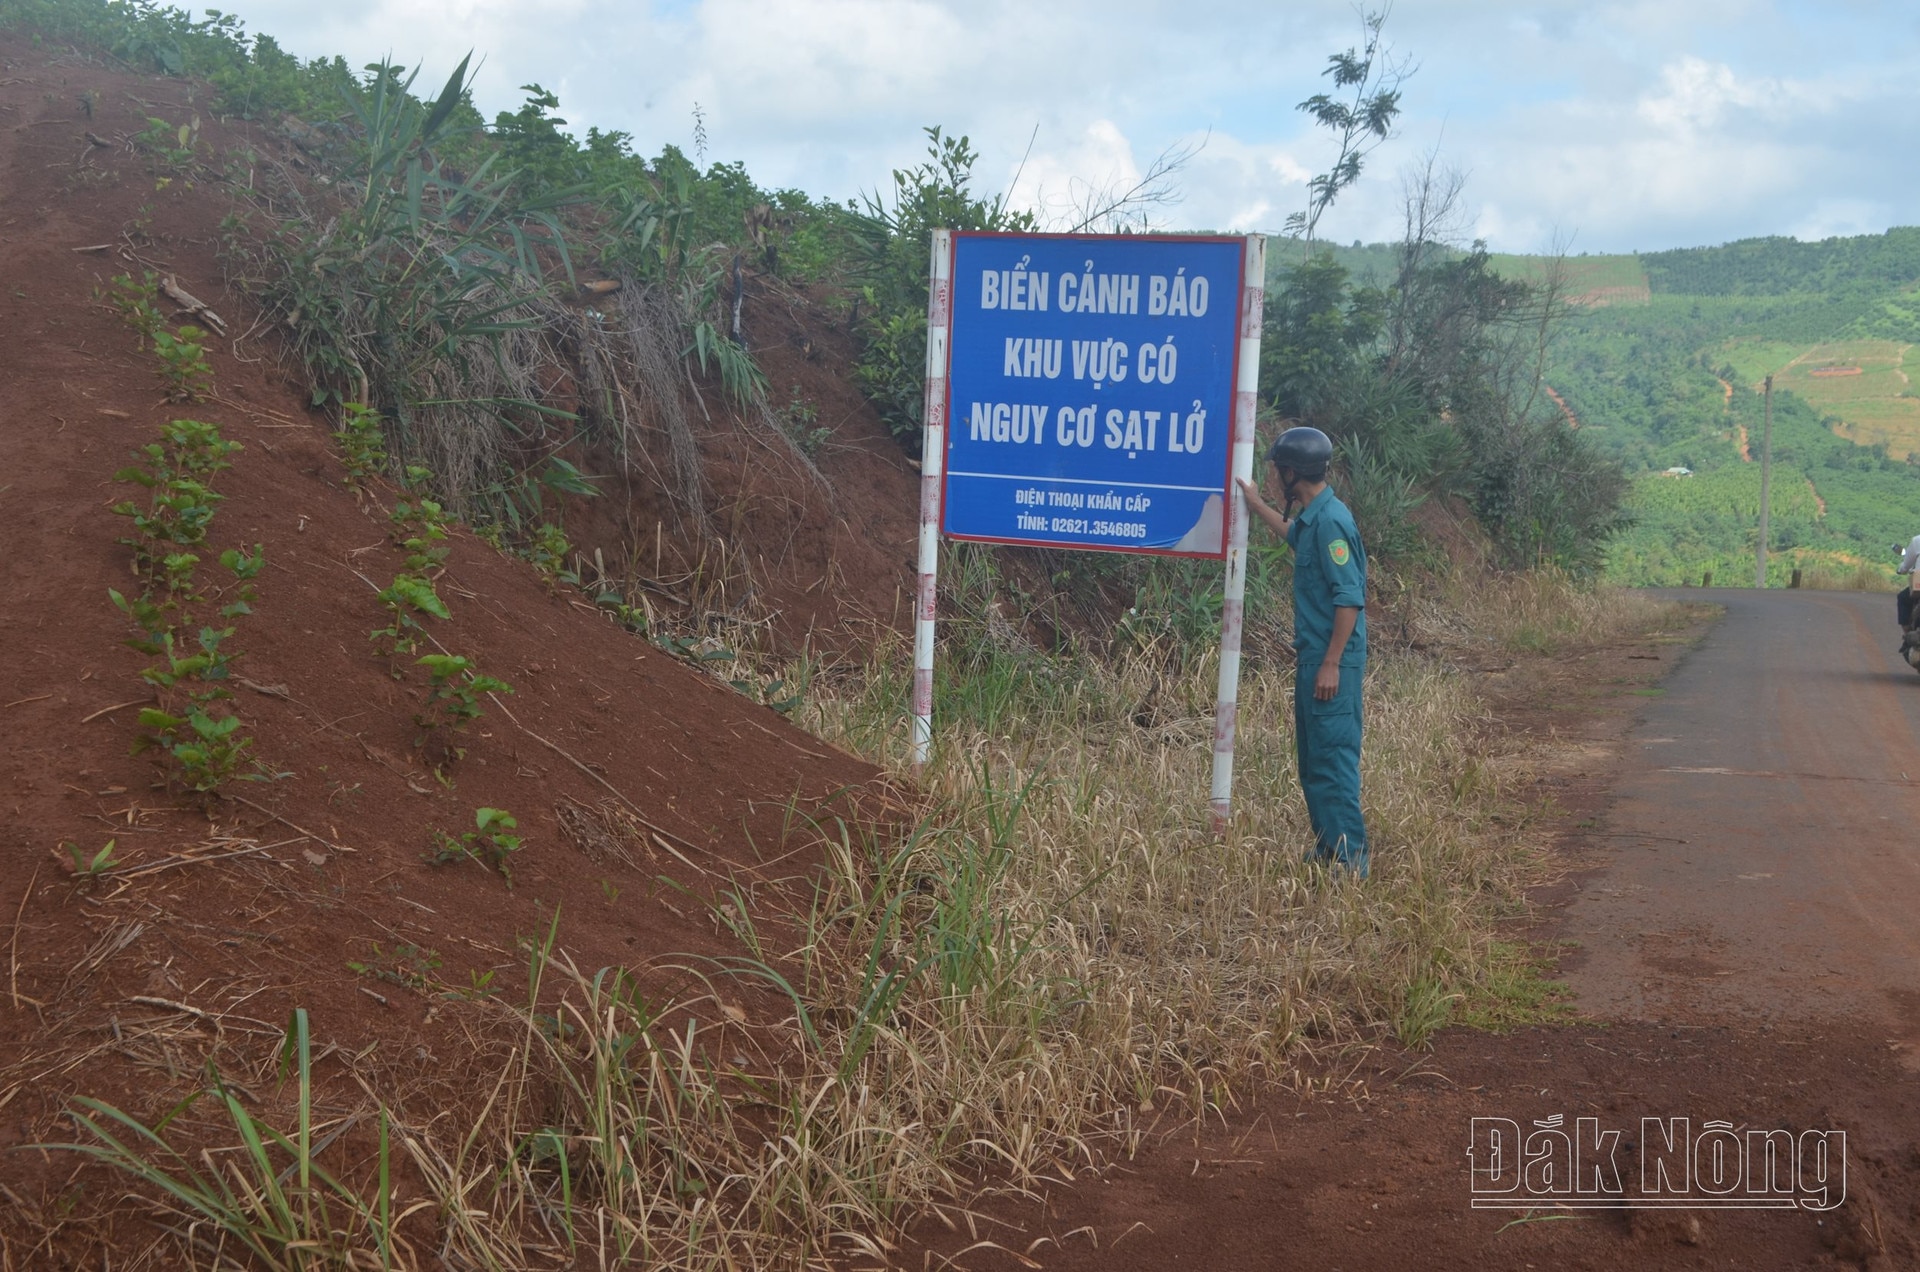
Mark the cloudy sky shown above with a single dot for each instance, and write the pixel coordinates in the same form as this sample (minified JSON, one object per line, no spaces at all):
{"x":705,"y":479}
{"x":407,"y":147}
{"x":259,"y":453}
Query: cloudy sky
{"x":1605,"y":126}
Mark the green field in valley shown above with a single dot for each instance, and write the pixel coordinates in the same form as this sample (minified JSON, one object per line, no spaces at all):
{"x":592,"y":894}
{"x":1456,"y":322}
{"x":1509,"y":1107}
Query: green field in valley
{"x":1670,"y":375}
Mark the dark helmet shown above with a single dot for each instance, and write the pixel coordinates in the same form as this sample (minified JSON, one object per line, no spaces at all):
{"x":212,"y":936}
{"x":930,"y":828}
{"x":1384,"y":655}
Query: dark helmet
{"x":1307,"y":451}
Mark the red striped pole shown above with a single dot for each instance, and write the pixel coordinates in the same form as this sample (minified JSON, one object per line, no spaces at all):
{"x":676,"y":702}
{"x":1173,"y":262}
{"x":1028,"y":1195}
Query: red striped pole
{"x":933,"y":452}
{"x":1246,"y":396}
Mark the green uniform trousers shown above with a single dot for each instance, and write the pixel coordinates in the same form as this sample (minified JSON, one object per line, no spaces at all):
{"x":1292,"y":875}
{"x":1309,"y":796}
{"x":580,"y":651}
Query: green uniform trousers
{"x":1327,"y":740}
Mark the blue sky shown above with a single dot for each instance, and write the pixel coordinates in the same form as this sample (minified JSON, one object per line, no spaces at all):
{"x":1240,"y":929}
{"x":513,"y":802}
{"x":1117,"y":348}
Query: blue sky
{"x":1603,"y":126}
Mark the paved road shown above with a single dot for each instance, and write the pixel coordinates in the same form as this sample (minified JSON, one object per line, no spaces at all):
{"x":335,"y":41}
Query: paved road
{"x":1765,"y":835}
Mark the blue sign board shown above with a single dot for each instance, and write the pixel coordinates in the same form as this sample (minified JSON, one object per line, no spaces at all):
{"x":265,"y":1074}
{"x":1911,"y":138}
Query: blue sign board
{"x":1090,"y":391}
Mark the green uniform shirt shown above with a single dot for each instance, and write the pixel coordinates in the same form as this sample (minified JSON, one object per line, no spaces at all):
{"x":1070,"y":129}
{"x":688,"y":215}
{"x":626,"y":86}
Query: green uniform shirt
{"x":1329,"y":570}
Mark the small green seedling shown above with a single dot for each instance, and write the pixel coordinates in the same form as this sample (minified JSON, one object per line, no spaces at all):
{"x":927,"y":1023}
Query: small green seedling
{"x":180,"y":501}
{"x":631,"y":617}
{"x":695,"y":649}
{"x":195,"y":446}
{"x":211,"y":665}
{"x":137,"y":303}
{"x":178,"y":509}
{"x":492,"y":842}
{"x":453,"y":692}
{"x":548,"y":552}
{"x":772,"y":695}
{"x":244,"y":567}
{"x":86,"y":867}
{"x":170,"y":145}
{"x":153,"y":621}
{"x":363,"y":444}
{"x":420,"y":526}
{"x":205,"y":748}
{"x":200,"y":737}
{"x":801,"y":422}
{"x":183,"y":363}
{"x":407,"y":596}
{"x":408,"y":966}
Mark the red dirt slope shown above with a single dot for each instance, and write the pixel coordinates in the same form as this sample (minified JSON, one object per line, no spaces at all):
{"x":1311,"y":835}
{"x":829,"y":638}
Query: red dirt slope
{"x":322,"y":864}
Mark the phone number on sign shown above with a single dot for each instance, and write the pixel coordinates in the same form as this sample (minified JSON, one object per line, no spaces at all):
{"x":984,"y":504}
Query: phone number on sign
{"x":1102,"y":529}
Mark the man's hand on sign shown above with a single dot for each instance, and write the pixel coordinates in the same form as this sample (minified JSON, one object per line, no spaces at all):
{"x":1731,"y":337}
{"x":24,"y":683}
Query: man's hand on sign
{"x":1262,"y":509}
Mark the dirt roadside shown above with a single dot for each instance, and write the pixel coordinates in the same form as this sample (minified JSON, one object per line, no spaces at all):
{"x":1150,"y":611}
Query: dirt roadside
{"x":1372,"y":1172}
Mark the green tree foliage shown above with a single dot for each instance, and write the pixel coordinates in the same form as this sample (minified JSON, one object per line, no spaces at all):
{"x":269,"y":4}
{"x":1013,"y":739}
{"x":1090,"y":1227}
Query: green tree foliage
{"x":892,"y":238}
{"x":1429,"y":383}
{"x":1359,"y":112}
{"x":1780,"y":266}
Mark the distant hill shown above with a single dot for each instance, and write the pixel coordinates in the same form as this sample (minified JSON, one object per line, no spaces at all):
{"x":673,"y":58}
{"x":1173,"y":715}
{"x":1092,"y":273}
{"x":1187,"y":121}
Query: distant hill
{"x":1587,"y":280}
{"x":1665,"y":358}
{"x":1786,"y":267}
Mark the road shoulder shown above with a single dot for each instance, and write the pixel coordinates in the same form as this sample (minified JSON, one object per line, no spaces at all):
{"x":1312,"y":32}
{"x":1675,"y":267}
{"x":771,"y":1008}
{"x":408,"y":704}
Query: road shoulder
{"x":1369,"y":1168}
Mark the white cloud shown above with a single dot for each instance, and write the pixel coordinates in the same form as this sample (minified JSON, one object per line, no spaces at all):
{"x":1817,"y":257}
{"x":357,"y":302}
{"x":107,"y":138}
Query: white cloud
{"x":1240,"y":186}
{"x":1639,"y":124}
{"x":1697,"y":94}
{"x":1835,"y":217}
{"x":1066,"y":185}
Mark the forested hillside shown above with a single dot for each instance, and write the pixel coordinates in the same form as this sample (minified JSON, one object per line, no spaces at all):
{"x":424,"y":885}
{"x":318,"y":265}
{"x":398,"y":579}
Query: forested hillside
{"x":1674,"y":378}
{"x":1660,"y":360}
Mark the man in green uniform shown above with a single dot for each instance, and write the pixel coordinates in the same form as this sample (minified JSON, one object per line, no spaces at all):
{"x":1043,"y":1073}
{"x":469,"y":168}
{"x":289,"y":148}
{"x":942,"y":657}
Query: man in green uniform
{"x":1329,"y":640}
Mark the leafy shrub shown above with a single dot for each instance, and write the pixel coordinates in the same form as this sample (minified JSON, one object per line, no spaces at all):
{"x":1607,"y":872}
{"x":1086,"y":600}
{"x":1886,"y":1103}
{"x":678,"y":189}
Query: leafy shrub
{"x":1429,"y":383}
{"x":893,"y":237}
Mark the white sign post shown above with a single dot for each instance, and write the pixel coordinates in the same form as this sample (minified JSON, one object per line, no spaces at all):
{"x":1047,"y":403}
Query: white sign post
{"x":933,"y":451}
{"x":1246,"y":401}
{"x":1076,"y":392}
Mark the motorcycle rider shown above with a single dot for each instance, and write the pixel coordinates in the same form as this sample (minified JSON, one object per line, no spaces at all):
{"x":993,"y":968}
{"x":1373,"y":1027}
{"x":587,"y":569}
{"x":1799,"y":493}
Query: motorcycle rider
{"x":1903,"y":600}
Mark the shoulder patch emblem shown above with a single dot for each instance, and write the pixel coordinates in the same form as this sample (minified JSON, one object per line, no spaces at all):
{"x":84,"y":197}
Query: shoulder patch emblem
{"x":1339,"y":551}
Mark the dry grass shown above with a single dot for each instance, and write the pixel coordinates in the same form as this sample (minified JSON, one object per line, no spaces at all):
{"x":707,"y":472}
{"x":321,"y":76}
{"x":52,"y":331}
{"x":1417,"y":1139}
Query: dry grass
{"x":1058,"y":959}
{"x":1539,"y":612}
{"x":1198,"y":963}
{"x":1861,"y":578}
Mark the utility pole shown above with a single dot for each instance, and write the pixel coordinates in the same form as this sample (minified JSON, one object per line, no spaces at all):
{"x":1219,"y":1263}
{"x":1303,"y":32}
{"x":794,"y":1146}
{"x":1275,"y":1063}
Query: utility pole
{"x":1766,"y":481}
